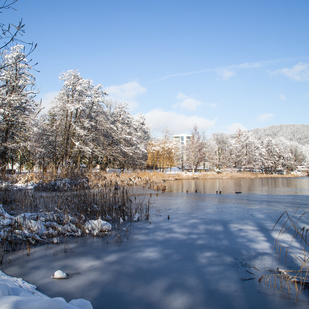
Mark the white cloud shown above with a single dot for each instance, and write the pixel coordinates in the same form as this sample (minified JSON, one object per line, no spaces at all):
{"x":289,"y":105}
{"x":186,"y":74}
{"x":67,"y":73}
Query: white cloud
{"x":188,"y":103}
{"x":225,"y":73}
{"x":236,"y":126}
{"x":282,"y":97}
{"x":265,"y":117}
{"x":185,"y":102}
{"x":158,"y":119}
{"x":47,"y":99}
{"x":299,"y":72}
{"x":126,"y":93}
{"x":249,"y":65}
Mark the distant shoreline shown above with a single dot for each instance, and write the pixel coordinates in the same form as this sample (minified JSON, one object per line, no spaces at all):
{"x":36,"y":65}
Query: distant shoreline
{"x":213,"y":175}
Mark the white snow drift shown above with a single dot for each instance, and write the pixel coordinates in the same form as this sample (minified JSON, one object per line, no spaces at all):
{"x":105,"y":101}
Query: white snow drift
{"x":17,"y":293}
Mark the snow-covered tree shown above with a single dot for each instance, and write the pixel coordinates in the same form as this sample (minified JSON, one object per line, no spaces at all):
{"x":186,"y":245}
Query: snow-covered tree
{"x":272,"y":157}
{"x":128,"y":142}
{"x":82,"y":128}
{"x":163,"y":152}
{"x":218,"y":150}
{"x":293,"y":154}
{"x":195,"y":150}
{"x":238,"y":150}
{"x":47,"y":140}
{"x":18,"y":108}
{"x":78,"y":107}
{"x":252,"y":157}
{"x":10,"y":32}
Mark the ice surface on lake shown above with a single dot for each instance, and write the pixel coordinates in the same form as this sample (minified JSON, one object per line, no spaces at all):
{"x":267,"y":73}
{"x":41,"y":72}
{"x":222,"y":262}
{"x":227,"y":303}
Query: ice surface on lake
{"x":210,"y":254}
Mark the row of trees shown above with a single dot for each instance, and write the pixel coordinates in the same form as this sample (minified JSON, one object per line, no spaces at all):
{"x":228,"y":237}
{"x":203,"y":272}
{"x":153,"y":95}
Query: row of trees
{"x":243,"y":149}
{"x":82,"y":127}
{"x":227,"y":151}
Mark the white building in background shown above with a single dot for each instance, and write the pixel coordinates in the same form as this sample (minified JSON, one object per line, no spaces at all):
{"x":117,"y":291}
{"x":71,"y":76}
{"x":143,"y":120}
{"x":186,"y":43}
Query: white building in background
{"x":182,"y":139}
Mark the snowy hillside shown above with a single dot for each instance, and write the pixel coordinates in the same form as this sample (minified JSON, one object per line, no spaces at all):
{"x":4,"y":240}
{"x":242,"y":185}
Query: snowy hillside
{"x":293,"y":132}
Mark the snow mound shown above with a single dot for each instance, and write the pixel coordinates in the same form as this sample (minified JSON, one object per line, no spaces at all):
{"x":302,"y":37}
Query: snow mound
{"x":136,"y":217}
{"x":36,"y":303}
{"x":96,"y":226}
{"x":17,"y":293}
{"x":5,"y":290}
{"x":81,"y":303}
{"x":59,"y":274}
{"x":56,"y":240}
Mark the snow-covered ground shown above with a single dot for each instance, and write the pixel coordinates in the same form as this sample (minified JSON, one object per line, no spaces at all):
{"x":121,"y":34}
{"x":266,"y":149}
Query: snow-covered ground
{"x":17,"y":293}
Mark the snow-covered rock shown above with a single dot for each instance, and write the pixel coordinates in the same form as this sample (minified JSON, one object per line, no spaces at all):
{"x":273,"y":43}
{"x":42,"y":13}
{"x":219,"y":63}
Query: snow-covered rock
{"x":96,"y":226}
{"x":136,"y":217}
{"x":59,"y":274}
{"x":56,"y":240}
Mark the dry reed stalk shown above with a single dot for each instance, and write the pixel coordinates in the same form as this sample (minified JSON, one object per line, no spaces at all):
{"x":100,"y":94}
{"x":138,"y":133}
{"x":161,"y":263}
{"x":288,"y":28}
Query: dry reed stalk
{"x":110,"y":203}
{"x":290,"y":280}
{"x":86,"y":179}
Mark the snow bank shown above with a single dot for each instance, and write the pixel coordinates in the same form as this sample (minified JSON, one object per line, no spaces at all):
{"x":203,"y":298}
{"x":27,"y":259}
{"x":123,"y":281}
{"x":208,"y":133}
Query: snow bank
{"x":17,"y":293}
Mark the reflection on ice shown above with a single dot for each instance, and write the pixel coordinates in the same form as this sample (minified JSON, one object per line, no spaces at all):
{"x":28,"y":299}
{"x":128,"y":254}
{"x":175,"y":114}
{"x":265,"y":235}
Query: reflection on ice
{"x":286,"y":186}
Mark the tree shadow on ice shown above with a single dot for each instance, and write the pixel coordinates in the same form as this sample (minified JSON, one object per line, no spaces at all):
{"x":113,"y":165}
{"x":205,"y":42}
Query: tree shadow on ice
{"x":197,"y":259}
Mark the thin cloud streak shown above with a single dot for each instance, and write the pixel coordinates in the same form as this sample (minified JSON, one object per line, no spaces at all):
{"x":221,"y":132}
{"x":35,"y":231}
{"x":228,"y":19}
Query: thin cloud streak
{"x":246,"y":65}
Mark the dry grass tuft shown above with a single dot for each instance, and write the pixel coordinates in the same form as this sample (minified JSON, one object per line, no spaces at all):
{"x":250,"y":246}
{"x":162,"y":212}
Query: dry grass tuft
{"x":292,"y":241}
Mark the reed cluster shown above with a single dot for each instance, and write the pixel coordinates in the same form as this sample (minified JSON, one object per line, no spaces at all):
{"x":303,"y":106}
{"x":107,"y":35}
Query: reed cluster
{"x":291,"y":242}
{"x":40,"y":215}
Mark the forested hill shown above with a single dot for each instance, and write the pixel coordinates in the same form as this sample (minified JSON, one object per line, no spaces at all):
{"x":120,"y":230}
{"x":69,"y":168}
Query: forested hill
{"x":293,"y":132}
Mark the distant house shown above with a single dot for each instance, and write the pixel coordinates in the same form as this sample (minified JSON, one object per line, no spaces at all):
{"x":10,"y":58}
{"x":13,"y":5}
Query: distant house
{"x":302,"y":169}
{"x":182,"y":139}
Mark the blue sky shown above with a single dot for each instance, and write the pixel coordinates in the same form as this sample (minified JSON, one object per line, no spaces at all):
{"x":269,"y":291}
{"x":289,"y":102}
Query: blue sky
{"x":220,"y":65}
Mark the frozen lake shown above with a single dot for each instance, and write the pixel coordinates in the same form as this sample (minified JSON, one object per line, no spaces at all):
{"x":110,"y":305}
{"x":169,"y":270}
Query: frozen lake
{"x":283,"y":185}
{"x":200,"y":258}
